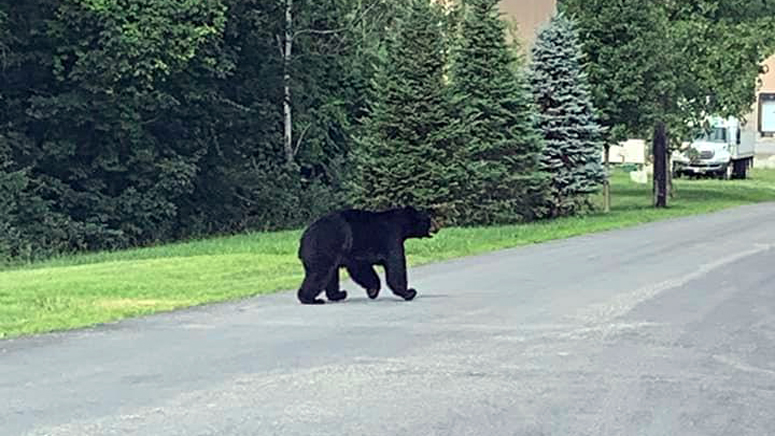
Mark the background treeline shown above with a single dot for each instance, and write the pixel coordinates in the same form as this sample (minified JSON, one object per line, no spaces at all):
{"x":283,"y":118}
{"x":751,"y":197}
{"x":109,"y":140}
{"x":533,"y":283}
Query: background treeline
{"x":126,"y":122}
{"x":129,"y":122}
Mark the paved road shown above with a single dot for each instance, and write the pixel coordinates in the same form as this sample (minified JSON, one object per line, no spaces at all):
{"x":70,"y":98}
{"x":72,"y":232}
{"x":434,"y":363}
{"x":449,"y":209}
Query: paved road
{"x":666,"y":329}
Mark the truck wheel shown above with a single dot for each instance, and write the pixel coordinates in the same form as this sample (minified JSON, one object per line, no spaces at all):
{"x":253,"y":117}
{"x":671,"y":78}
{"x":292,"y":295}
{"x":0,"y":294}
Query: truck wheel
{"x":676,"y":171}
{"x":742,"y":172}
{"x":729,"y":171}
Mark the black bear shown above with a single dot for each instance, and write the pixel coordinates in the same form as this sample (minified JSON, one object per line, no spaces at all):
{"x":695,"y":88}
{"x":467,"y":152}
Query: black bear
{"x":357,"y":240}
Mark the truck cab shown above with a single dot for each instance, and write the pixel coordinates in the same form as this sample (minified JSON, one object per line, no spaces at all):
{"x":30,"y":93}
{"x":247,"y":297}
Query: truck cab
{"x":725,"y":149}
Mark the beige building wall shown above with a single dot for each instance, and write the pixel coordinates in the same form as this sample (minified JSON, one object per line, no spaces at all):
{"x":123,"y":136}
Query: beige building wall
{"x":765,"y":93}
{"x":529,"y":15}
{"x":768,"y":78}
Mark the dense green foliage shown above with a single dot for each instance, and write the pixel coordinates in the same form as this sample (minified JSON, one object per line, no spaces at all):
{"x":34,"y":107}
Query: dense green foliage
{"x":673,"y":62}
{"x":625,"y":46}
{"x":130,"y":122}
{"x":664,"y":66}
{"x":126,"y":123}
{"x":572,"y":136}
{"x":134,"y":122}
{"x":408,"y":141}
{"x":727,"y":42}
{"x":501,"y":141}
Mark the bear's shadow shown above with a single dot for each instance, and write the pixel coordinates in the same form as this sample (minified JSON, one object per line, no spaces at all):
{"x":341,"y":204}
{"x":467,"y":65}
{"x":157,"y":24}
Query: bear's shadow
{"x":391,"y":299}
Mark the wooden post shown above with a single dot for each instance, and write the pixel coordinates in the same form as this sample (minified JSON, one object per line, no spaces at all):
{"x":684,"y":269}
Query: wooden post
{"x":607,"y":184}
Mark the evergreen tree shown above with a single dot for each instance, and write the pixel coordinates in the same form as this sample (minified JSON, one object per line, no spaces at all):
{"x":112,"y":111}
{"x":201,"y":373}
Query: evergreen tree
{"x":11,"y":183}
{"x":573,"y":144}
{"x":502,"y":143}
{"x":403,"y":151}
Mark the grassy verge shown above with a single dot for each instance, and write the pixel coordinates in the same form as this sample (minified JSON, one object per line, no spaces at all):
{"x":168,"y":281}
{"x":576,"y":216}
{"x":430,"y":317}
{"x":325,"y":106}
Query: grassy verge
{"x":76,"y":291}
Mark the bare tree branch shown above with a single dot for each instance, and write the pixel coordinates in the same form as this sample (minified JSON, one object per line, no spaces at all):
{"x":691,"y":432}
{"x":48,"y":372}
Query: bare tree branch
{"x":341,"y":29}
{"x":236,"y":105}
{"x":301,"y":136}
{"x":280,"y":45}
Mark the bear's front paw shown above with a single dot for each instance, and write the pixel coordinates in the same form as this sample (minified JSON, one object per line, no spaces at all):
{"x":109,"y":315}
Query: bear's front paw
{"x":372,"y":293}
{"x":339,"y":296}
{"x":410,"y":294}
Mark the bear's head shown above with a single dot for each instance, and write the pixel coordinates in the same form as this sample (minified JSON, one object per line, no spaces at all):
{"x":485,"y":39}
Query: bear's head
{"x":417,"y":223}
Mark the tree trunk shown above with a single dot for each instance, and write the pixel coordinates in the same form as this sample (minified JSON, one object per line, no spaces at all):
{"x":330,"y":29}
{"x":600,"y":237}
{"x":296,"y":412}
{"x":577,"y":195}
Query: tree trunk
{"x":287,"y":52}
{"x":670,"y":190}
{"x":607,"y":183}
{"x":660,"y":165}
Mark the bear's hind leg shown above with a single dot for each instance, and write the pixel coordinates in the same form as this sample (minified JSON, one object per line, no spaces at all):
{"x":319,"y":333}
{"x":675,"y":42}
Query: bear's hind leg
{"x":315,"y":280}
{"x":309,"y":290}
{"x":364,"y":275}
{"x":333,"y":293}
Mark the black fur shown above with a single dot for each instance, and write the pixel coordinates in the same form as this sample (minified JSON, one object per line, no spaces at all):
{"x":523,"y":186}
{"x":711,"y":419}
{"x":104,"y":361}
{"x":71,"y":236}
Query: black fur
{"x":357,"y":240}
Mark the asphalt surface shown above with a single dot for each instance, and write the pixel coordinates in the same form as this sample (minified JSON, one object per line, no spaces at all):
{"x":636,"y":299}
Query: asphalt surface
{"x":664,"y":329}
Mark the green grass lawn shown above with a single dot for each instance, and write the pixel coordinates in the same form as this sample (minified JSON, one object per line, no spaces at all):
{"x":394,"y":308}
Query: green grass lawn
{"x":77,"y":291}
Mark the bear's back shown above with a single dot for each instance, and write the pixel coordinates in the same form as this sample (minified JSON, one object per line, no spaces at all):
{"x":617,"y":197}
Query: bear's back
{"x":371,"y":231}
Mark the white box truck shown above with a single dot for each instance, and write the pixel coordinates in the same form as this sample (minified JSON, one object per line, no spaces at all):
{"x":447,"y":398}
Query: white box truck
{"x":725,"y":150}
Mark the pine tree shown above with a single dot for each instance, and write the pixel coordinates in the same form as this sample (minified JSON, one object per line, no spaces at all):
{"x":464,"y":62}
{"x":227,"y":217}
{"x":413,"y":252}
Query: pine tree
{"x":403,"y":151}
{"x":502,"y":143}
{"x":572,"y":135}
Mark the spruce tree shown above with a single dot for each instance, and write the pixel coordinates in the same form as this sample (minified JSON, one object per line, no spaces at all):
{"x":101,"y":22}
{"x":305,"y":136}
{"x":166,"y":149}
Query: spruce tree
{"x":572,"y":135}
{"x":502,"y":143}
{"x":406,"y":141}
